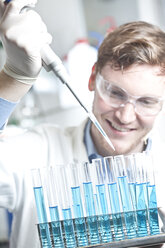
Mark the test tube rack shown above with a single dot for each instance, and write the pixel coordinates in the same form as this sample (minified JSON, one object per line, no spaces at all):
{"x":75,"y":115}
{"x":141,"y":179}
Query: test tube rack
{"x":134,"y":216}
{"x":149,"y":240}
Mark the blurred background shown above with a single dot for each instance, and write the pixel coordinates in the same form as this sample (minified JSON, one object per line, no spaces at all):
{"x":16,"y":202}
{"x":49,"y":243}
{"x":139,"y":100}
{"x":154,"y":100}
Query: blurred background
{"x":78,"y":28}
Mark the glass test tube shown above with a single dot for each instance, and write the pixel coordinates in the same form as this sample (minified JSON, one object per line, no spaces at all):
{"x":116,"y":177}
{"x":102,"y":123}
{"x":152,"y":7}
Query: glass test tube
{"x":101,"y":191}
{"x":70,"y":240}
{"x":118,"y":232}
{"x":151,"y":195}
{"x":131,"y":176}
{"x":141,"y":195}
{"x":50,"y":175}
{"x":79,"y":221}
{"x":41,"y":209}
{"x":92,"y":222}
{"x":129,"y":214}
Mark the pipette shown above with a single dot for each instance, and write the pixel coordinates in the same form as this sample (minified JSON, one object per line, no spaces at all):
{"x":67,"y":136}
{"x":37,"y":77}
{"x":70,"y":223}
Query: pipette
{"x":51,"y":62}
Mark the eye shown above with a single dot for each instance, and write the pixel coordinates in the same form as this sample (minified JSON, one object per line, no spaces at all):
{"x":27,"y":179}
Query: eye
{"x":115,"y":92}
{"x":148,"y":101}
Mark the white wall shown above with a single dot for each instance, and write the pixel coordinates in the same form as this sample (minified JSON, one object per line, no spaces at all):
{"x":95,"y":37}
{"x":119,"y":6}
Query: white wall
{"x":121,"y":10}
{"x":65,"y":21}
{"x":151,"y":11}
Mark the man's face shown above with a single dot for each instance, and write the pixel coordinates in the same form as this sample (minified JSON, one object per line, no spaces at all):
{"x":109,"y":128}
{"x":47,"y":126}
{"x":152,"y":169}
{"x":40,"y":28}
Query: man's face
{"x":125,"y":128}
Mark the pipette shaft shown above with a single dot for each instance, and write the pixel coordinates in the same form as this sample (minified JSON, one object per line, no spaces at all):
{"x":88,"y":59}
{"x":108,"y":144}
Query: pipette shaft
{"x":52,"y":62}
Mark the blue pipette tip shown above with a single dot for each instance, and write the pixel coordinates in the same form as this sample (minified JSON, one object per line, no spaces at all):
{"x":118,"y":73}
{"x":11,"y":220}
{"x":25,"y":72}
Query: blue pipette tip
{"x":97,"y":124}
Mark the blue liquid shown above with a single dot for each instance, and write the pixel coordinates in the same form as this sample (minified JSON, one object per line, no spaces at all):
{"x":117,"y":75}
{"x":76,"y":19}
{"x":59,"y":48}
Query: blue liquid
{"x":68,"y":228}
{"x":54,"y":214}
{"x":141,"y":205}
{"x":142,"y":223}
{"x":80,"y":225}
{"x":56,"y":227}
{"x":42,"y":217}
{"x":114,"y":197}
{"x":129,"y":215}
{"x":125,"y":194}
{"x":81,"y":231}
{"x":45,"y":235}
{"x":153,"y":221}
{"x":105,"y":228}
{"x":132,"y":189}
{"x":151,"y":190}
{"x":104,"y":220}
{"x":153,"y":211}
{"x":93,"y":230}
{"x":41,"y":210}
{"x":77,"y":202}
{"x":67,"y":214}
{"x":115,"y":208}
{"x":118,"y":227}
{"x":102,"y":198}
{"x":89,"y":200}
{"x":141,"y":196}
{"x":130,"y":223}
{"x":57,"y":234}
{"x":97,"y":204}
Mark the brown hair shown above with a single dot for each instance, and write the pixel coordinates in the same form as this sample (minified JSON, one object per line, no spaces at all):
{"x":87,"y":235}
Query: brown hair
{"x":133,"y":43}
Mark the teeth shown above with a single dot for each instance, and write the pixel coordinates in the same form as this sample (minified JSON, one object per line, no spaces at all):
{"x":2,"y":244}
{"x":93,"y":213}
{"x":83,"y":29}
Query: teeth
{"x":119,"y":128}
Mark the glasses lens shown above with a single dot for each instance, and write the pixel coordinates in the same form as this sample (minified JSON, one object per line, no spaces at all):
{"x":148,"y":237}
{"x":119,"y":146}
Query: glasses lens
{"x":111,"y":94}
{"x":148,"y":105}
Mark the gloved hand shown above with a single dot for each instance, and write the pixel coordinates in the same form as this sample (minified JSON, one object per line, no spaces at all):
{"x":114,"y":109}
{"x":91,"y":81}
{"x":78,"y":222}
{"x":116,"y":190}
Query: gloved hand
{"x":23,"y":35}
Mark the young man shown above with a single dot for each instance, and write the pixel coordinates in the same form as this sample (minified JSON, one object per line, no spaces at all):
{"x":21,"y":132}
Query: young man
{"x":128,"y":83}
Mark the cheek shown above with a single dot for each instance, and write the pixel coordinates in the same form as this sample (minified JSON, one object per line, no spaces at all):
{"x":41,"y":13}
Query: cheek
{"x":147,"y":122}
{"x":99,"y":105}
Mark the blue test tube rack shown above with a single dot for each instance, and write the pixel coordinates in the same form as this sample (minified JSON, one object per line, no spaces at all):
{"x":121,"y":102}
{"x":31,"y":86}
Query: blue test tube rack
{"x":99,"y":219}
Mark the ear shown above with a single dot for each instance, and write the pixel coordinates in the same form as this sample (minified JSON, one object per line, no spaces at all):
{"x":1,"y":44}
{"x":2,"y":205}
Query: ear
{"x":91,"y":83}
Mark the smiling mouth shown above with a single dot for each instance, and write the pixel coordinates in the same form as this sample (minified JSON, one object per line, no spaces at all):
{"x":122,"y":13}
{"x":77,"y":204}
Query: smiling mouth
{"x":119,"y":128}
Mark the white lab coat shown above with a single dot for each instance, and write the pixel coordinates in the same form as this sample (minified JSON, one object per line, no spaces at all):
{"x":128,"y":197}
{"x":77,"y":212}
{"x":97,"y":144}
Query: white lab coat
{"x":30,"y":150}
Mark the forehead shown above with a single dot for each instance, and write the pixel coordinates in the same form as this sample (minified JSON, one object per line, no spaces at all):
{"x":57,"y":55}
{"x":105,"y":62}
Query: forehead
{"x":137,"y":80}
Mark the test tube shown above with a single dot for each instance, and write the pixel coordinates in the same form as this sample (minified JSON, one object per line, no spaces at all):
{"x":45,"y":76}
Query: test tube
{"x":104,"y":218}
{"x":131,"y":176}
{"x":151,"y":195}
{"x":70,"y":240}
{"x":93,"y":230}
{"x":129,"y":214}
{"x":141,"y":195}
{"x":50,"y":176}
{"x":114,"y":199}
{"x":41,"y":209}
{"x":79,"y":221}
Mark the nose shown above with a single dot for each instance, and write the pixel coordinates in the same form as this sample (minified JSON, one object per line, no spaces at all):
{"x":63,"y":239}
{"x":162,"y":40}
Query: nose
{"x":126,"y":113}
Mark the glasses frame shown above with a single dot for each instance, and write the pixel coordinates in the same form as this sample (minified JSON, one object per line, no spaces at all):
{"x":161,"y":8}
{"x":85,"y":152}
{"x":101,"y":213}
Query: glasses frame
{"x":130,"y":98}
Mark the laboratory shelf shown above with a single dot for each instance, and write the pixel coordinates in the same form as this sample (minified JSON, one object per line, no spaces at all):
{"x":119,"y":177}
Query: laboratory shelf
{"x":45,"y":229}
{"x":136,"y":242}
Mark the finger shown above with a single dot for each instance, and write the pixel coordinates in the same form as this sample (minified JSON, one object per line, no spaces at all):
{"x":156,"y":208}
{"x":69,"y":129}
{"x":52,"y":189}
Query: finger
{"x":2,"y":8}
{"x":15,"y":6}
{"x":33,"y":45}
{"x":28,"y":22}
